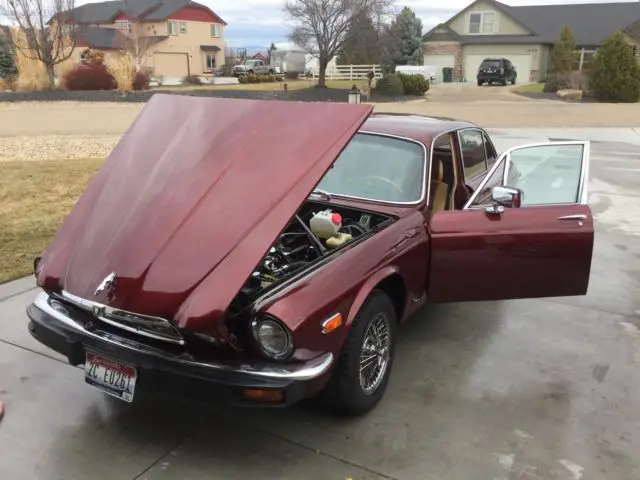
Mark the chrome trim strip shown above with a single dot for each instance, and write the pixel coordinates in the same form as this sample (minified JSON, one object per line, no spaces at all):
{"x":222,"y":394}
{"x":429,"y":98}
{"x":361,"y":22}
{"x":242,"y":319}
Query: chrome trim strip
{"x":573,"y":217}
{"x":583,"y":196}
{"x":423,"y":194}
{"x":142,"y":320}
{"x":297,"y":372}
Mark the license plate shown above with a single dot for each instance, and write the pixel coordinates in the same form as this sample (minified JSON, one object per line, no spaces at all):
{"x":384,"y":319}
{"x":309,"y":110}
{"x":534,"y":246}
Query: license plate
{"x":110,"y":376}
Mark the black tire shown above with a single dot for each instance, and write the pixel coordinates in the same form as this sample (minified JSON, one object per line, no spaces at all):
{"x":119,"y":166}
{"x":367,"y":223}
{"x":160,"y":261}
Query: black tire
{"x":479,"y":83}
{"x":250,"y":72}
{"x":504,"y":82}
{"x":513,"y":81}
{"x":344,"y":393}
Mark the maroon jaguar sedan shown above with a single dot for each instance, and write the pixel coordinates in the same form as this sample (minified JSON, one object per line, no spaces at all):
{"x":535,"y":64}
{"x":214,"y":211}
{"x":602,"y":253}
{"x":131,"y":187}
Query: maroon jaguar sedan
{"x":264,"y":252}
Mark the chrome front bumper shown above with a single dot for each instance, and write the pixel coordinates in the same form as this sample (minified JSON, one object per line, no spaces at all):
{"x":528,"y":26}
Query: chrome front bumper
{"x":46,"y":308}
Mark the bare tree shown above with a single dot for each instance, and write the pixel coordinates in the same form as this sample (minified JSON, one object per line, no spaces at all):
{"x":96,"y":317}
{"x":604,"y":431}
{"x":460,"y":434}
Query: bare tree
{"x":135,"y":44}
{"x":321,"y":26}
{"x":48,"y":31}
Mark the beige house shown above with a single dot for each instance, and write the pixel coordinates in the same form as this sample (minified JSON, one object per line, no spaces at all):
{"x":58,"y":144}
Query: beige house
{"x":169,"y":38}
{"x":523,"y":35}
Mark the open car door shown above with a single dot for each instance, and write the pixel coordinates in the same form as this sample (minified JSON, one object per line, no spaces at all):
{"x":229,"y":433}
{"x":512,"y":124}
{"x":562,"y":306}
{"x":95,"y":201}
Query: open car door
{"x":526,"y":232}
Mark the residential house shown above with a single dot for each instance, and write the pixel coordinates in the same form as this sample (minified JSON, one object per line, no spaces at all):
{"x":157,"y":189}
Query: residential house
{"x":175,"y":38}
{"x":524,"y":35}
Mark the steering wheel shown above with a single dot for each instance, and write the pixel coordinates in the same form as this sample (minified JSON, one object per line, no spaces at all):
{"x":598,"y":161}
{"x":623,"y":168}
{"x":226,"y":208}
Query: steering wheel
{"x":385,"y":180}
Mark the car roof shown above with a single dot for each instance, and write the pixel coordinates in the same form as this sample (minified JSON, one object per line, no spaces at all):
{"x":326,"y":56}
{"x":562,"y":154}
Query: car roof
{"x":415,"y":127}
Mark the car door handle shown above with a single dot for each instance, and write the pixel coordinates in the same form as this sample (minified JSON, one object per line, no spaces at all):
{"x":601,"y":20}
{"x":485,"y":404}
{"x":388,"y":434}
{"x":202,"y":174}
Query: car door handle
{"x":573,"y":217}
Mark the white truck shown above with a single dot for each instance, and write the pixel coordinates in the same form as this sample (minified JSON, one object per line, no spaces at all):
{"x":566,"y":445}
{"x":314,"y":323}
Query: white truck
{"x":250,"y":67}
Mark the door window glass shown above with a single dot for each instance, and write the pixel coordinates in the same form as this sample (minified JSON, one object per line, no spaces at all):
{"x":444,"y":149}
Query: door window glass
{"x":473,"y":154}
{"x":547,"y":174}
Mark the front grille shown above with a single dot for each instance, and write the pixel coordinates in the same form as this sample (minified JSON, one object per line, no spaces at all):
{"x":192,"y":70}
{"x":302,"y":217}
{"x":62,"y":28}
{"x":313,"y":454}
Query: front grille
{"x":145,"y":325}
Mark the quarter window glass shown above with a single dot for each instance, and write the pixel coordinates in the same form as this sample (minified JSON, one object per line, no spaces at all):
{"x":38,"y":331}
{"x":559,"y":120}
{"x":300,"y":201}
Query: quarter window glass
{"x":547,"y":174}
{"x":473,"y":154}
{"x":484,"y":196}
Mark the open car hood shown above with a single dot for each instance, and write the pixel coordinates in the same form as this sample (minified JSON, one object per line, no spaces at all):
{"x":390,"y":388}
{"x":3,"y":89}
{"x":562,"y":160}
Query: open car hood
{"x":191,"y":199}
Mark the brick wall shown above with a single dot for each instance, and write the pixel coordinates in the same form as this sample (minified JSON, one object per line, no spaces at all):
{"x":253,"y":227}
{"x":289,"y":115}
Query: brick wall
{"x":448,"y":48}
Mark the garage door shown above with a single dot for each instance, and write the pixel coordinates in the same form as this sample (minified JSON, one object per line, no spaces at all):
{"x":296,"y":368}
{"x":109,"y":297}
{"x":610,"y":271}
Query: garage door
{"x":170,"y":64}
{"x":521,"y":62}
{"x":439,"y":62}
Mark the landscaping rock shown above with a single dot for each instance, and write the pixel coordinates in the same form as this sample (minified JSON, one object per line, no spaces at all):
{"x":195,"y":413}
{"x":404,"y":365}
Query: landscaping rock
{"x":570,"y":95}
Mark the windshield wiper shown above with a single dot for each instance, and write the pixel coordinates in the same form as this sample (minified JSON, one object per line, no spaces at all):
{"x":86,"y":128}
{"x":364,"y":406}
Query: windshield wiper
{"x":321,"y":193}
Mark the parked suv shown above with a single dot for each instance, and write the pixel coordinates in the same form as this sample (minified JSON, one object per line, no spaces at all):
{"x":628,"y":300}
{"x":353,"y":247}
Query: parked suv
{"x":496,"y":70}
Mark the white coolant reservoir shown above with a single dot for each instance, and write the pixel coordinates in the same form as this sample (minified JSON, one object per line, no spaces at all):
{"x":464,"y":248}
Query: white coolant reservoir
{"x":325,"y":224}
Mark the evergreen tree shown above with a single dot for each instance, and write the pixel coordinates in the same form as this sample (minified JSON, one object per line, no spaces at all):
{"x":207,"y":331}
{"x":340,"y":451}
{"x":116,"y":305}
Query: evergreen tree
{"x":361,"y":43}
{"x":561,"y":61}
{"x":401,"y":41}
{"x":408,"y":33}
{"x":7,"y":62}
{"x":614,"y":72}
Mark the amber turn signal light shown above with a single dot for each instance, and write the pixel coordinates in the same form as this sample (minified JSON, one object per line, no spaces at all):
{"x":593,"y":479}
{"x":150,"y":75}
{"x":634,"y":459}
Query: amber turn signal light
{"x":256,"y":395}
{"x":331,"y":323}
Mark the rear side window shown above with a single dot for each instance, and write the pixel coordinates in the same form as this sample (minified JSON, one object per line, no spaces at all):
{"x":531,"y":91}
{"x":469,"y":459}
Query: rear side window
{"x":473,"y":153}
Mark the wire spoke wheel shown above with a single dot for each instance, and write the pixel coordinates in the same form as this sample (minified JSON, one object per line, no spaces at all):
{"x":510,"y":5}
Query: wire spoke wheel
{"x":375,"y":353}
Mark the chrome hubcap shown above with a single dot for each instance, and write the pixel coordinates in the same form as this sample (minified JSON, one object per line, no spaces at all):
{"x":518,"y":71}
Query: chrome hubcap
{"x":374,"y":357}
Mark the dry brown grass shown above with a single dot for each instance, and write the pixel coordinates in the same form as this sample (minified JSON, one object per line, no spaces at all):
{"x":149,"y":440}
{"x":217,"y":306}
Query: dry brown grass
{"x":123,"y":71}
{"x":32,"y":74}
{"x":35,"y":196}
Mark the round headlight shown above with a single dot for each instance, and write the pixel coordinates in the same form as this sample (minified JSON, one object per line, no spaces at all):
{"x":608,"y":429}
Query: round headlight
{"x":273,"y":338}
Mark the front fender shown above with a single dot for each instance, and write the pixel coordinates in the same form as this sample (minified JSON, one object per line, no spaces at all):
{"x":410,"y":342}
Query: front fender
{"x":366,"y":289}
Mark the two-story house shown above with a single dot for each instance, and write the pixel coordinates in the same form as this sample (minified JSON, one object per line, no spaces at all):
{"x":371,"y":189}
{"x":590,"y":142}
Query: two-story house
{"x":524,"y":35}
{"x":176,"y":38}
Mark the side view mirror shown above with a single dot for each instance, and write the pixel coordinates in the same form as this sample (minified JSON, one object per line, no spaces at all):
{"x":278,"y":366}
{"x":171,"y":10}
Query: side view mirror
{"x":507,"y":197}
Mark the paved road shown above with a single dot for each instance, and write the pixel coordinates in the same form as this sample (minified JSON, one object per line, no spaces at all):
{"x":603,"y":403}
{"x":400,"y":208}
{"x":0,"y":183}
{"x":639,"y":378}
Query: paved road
{"x":528,"y":390}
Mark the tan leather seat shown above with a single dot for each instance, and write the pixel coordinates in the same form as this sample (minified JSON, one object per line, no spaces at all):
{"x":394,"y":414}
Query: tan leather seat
{"x":438,"y":187}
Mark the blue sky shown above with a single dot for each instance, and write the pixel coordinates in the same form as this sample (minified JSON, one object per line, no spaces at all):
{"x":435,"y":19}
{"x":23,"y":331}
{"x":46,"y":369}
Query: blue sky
{"x":257,"y":23}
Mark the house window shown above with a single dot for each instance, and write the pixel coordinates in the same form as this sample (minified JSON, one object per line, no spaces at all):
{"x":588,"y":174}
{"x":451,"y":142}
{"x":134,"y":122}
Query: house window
{"x":215,"y":30}
{"x":123,"y":25}
{"x":210,"y":61}
{"x":183,"y":27}
{"x":172,"y":28}
{"x":482,"y":22}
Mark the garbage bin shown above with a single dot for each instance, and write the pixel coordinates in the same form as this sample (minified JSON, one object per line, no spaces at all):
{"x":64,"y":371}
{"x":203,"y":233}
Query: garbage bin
{"x":447,"y":74}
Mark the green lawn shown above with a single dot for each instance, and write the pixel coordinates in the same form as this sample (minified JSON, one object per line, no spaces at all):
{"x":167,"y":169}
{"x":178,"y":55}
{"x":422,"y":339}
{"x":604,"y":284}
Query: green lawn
{"x":530,"y":88}
{"x":267,"y":87}
{"x":35,"y":197}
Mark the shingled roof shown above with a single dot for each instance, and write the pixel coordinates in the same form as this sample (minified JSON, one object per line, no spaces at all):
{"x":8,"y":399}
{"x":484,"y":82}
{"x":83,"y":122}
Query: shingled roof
{"x":142,"y":10}
{"x":591,"y":23}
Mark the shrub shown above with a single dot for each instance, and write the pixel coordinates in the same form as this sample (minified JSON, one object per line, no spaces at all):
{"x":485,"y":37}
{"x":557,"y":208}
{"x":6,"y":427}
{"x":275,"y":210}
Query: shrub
{"x":390,"y":85}
{"x":271,"y":78}
{"x":242,"y":79}
{"x":7,"y":62}
{"x":554,"y":82}
{"x":4,"y":84}
{"x":191,"y":80}
{"x":614,"y":72}
{"x":251,"y":78}
{"x":141,"y":81}
{"x":89,"y":77}
{"x":414,"y":84}
{"x":278,"y":78}
{"x":123,"y":72}
{"x":292,"y":75}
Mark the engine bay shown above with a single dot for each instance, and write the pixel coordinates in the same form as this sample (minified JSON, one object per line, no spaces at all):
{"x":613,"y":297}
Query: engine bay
{"x":315,"y":232}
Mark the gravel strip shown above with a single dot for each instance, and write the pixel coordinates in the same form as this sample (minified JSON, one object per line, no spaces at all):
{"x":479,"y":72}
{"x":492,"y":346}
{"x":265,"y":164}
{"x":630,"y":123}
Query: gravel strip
{"x":56,"y":147}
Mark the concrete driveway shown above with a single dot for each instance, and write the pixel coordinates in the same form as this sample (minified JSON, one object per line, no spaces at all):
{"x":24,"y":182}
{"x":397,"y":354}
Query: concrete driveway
{"x":529,"y":390}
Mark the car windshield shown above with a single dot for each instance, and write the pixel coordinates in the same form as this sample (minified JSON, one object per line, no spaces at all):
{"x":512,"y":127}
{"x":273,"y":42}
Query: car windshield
{"x":379,"y":168}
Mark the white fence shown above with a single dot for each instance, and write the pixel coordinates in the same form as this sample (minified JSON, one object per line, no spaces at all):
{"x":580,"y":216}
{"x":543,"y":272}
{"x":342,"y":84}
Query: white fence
{"x":349,"y":72}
